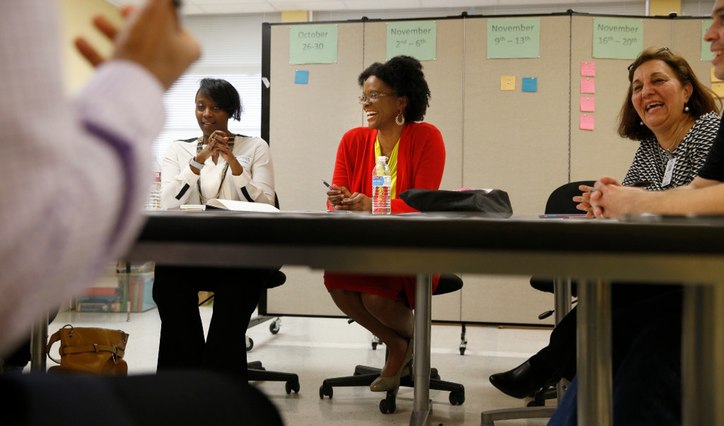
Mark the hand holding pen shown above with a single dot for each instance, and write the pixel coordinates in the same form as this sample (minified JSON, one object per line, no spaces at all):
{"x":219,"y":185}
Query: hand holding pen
{"x":338,"y":196}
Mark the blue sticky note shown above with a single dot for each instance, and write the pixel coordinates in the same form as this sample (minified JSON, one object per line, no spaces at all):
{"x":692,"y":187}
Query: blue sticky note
{"x":301,"y":77}
{"x":530,"y":84}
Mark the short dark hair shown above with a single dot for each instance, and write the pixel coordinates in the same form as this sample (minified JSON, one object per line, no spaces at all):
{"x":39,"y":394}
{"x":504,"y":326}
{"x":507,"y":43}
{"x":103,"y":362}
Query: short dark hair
{"x":404,"y":75}
{"x":702,"y":98}
{"x":223,"y":94}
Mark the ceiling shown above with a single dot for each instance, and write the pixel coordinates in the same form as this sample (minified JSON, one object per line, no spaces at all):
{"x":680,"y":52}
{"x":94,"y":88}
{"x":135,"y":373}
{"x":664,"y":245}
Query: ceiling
{"x":202,"y":7}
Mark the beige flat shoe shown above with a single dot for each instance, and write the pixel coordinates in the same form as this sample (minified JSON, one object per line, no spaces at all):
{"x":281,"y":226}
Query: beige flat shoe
{"x":384,"y":384}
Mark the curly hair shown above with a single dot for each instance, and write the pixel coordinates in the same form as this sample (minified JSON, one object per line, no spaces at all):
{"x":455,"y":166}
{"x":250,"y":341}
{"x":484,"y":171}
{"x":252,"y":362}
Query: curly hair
{"x":404,"y":75}
{"x":223,"y":94}
{"x":702,"y":100}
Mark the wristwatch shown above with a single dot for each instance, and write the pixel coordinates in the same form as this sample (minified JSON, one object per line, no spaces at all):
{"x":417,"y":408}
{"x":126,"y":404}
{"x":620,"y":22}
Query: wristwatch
{"x":194,"y":163}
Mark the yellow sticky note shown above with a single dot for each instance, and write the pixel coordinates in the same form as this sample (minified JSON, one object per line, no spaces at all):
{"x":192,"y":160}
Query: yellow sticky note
{"x":714,"y":78}
{"x":507,"y":82}
{"x":718,"y":88}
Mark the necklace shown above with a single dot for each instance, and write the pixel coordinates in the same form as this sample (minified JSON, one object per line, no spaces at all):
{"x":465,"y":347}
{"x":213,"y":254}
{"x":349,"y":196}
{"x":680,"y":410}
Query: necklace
{"x":199,"y":147}
{"x":670,"y":150}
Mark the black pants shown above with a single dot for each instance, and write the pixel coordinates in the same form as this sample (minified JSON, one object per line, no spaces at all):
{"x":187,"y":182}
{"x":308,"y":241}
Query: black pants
{"x":559,"y":356}
{"x":180,"y":398}
{"x":182,"y":344}
{"x":647,"y":378}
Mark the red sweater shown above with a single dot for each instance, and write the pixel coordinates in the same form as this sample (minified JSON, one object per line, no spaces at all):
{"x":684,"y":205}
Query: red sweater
{"x":420,"y":161}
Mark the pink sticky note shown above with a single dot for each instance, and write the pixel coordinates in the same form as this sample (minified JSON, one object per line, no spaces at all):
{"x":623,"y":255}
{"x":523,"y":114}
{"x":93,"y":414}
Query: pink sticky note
{"x":588,"y":85}
{"x":588,"y":104}
{"x":588,"y":68}
{"x":588,"y":122}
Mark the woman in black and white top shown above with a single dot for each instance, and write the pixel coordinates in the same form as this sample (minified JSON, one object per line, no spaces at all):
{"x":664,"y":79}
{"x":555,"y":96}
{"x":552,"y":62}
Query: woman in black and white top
{"x":217,"y":164}
{"x":674,"y":117}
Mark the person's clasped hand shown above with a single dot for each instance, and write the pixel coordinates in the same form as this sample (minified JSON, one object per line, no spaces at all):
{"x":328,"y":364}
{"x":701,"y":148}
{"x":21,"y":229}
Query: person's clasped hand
{"x":584,"y":200}
{"x":604,"y":200}
{"x":217,"y":143}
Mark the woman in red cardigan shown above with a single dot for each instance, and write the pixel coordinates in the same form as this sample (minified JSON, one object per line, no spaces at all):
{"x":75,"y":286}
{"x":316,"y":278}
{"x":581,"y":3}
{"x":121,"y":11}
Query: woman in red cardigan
{"x":395,"y":98}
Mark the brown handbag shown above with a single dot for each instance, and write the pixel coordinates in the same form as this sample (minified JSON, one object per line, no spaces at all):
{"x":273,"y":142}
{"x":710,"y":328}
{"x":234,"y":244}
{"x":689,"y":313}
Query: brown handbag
{"x":89,"y":350}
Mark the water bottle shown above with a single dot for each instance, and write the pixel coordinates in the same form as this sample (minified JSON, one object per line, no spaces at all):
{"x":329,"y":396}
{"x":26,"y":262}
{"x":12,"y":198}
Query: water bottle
{"x":381,"y":187}
{"x":154,"y":197}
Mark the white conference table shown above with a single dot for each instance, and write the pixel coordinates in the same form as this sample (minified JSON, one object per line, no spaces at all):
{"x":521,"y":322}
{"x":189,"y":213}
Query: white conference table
{"x":683,"y":250}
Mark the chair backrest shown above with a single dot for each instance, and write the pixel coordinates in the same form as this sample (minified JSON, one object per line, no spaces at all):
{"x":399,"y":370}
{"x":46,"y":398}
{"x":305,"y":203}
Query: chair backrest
{"x":560,"y":201}
{"x":448,"y":283}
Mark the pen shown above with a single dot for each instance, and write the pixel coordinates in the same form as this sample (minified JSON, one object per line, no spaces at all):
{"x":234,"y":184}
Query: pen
{"x":325,"y":183}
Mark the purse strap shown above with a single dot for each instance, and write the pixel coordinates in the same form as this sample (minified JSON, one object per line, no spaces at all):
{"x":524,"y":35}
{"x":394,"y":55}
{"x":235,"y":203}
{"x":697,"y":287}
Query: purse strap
{"x":93,"y":348}
{"x":53,"y":338}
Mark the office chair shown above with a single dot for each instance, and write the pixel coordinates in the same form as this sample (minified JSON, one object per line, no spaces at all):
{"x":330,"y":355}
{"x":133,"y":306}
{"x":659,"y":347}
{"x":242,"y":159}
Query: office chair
{"x":559,"y":202}
{"x":255,"y":369}
{"x":364,"y":375}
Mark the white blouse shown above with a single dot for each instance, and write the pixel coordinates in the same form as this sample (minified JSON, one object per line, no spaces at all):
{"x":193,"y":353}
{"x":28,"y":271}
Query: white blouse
{"x":179,"y":185}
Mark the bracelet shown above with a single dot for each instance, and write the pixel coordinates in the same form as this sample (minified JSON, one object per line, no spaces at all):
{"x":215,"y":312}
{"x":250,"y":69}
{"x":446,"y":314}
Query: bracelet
{"x":194,"y":163}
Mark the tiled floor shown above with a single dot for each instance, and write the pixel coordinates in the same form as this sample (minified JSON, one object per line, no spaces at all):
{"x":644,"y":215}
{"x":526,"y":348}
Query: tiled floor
{"x":318,"y":348}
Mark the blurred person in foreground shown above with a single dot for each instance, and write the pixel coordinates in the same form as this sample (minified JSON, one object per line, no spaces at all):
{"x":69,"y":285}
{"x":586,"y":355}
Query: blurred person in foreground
{"x":83,"y":164}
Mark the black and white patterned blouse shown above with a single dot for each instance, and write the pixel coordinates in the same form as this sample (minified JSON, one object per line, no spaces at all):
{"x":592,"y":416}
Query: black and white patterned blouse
{"x":649,"y":164}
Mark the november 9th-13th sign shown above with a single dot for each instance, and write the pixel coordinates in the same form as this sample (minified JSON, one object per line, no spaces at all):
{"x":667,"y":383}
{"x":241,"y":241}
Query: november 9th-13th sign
{"x":513,"y":38}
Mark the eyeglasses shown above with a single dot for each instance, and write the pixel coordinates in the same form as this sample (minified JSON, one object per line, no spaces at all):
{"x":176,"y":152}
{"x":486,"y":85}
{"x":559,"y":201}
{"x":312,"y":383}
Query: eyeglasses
{"x":662,"y":50}
{"x":372,"y":97}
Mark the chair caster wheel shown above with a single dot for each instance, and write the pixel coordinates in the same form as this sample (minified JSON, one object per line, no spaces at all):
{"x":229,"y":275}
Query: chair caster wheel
{"x":457,"y":398}
{"x":388,"y":405}
{"x":275,"y":326}
{"x":536,"y":403}
{"x":293,"y":386}
{"x":249,"y":344}
{"x":325,"y":390}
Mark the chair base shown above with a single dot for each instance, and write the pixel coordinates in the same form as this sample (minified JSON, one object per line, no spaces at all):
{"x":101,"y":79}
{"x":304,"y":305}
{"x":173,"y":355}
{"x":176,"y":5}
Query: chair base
{"x":488,"y":418}
{"x":364,"y":376}
{"x":257,"y":373}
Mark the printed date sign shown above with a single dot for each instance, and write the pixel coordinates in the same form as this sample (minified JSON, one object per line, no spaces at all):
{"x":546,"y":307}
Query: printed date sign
{"x":417,"y":39}
{"x":617,"y":38}
{"x":313,"y":44}
{"x":513,"y":38}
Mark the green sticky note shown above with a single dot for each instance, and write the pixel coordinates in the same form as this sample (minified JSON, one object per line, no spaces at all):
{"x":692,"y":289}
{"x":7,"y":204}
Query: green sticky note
{"x":313,"y":44}
{"x":513,"y":38}
{"x":617,"y":38}
{"x":415,"y":38}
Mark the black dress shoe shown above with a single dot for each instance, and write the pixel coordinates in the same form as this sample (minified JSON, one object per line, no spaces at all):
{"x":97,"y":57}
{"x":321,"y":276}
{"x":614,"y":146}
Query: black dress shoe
{"x":523,"y":381}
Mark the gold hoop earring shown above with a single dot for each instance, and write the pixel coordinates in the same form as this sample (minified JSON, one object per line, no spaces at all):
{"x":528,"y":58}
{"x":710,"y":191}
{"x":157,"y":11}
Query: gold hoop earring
{"x":400,"y":119}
